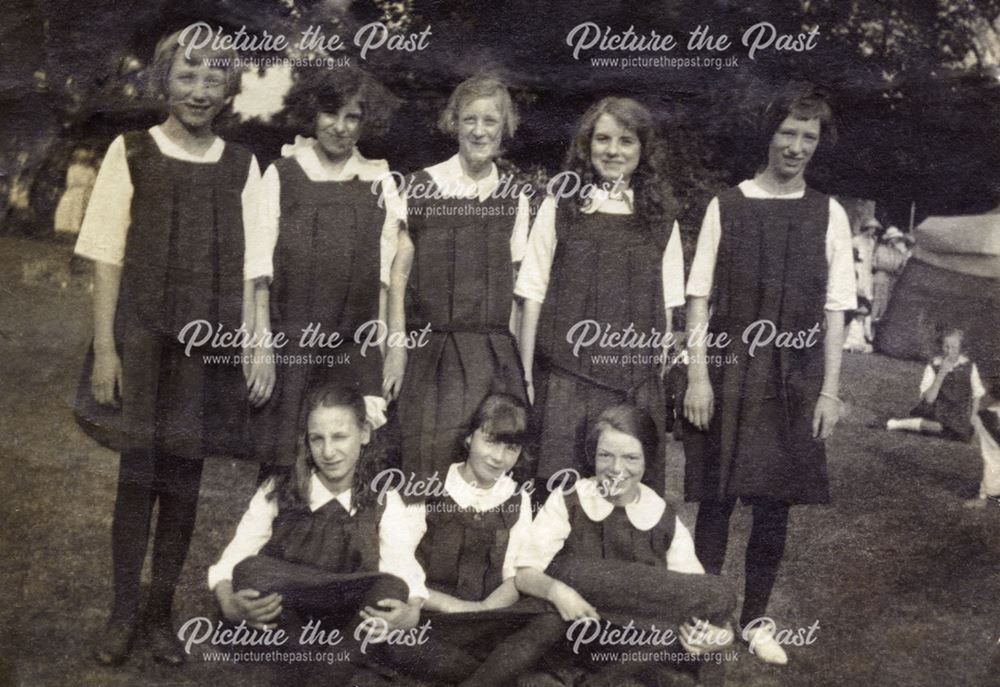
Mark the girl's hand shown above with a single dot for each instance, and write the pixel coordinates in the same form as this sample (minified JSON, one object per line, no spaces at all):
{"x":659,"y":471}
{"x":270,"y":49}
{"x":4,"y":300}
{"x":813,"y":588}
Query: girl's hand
{"x":825,"y":417}
{"x":700,"y":636}
{"x":570,"y":604}
{"x":699,"y":403}
{"x":106,"y":378}
{"x":399,"y":616}
{"x":261,"y":377}
{"x":393,"y":371}
{"x":529,"y":389}
{"x":248,"y":605}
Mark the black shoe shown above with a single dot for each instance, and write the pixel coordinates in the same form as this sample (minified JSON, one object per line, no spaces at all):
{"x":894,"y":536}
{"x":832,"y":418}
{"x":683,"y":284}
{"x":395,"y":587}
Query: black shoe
{"x":164,"y":645}
{"x":115,"y":644}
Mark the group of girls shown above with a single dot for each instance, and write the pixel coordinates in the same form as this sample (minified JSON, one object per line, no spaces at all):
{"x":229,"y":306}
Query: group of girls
{"x":182,"y":227}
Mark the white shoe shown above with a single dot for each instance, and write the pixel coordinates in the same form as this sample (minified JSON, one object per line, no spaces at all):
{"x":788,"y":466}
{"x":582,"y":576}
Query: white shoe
{"x":763,"y":644}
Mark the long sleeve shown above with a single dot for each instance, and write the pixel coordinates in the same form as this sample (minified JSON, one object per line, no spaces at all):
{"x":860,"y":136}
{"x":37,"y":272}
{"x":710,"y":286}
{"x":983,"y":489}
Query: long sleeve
{"x":252,"y":534}
{"x":520,"y":536}
{"x":548,"y":534}
{"x":400,"y":531}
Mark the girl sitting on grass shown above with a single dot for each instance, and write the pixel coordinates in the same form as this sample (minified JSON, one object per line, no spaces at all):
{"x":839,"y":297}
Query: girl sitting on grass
{"x":949,"y":394}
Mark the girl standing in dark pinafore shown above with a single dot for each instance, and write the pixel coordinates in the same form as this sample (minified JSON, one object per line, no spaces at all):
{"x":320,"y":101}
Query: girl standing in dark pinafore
{"x":483,"y":634}
{"x":170,"y":227}
{"x":466,"y":231}
{"x":609,"y":260}
{"x":334,"y":238}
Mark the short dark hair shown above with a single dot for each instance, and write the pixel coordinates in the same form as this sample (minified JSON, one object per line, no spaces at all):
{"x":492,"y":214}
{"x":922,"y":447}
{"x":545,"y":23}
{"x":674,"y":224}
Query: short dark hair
{"x":503,"y":417}
{"x":800,"y":100}
{"x":327,"y":90}
{"x":627,"y":419}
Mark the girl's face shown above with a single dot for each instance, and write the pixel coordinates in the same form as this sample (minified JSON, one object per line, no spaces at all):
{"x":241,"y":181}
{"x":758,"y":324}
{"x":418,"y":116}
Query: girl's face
{"x":792,"y":147}
{"x":615,"y":150}
{"x":489,"y":459}
{"x":480,"y":131}
{"x":196,"y":93}
{"x":335,"y":440}
{"x":619,"y":465}
{"x":951,"y":346}
{"x":338,"y":132}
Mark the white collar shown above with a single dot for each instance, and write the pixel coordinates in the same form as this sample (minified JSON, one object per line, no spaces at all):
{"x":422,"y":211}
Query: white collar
{"x":452,"y":181}
{"x":601,"y":201}
{"x":319,"y":495}
{"x":751,"y":189}
{"x":643,"y":513}
{"x":468,"y":496}
{"x":356,"y":167}
{"x":171,"y":149}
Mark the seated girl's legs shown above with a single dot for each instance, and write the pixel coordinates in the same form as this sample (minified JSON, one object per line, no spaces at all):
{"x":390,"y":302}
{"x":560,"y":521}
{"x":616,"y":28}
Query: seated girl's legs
{"x":519,"y":652}
{"x":176,"y":484}
{"x":443,"y":658}
{"x":646,"y":591}
{"x":313,"y":591}
{"x":765,"y":550}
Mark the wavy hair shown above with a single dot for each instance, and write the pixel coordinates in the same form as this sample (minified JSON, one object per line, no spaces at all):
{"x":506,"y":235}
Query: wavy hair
{"x":655,"y":204}
{"x":327,"y":90}
{"x":292,"y":488}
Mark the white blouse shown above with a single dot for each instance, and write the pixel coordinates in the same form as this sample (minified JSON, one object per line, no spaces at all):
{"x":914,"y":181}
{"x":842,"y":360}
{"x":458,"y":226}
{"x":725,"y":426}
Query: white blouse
{"x":841,"y":289}
{"x":356,"y":167}
{"x":533,"y":279}
{"x":109,"y":212}
{"x":397,"y":537}
{"x":551,"y":527}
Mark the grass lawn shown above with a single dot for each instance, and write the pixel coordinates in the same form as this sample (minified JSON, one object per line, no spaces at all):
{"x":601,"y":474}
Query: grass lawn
{"x":902,"y":580}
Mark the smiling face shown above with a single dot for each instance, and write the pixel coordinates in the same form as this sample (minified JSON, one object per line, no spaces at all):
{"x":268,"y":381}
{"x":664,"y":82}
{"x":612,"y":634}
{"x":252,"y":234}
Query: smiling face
{"x":614,"y":150}
{"x":335,"y":439}
{"x":619,"y":464}
{"x":196,"y":93}
{"x":489,"y":459}
{"x":480,"y":131}
{"x":338,"y":132}
{"x":792,"y":147}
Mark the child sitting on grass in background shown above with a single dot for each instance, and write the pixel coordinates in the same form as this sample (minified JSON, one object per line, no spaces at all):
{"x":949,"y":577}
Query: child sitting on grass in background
{"x":949,"y":393}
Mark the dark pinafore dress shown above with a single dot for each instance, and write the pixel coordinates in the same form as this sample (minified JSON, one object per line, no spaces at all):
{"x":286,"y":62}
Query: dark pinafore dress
{"x":335,"y":557}
{"x":183,"y":262}
{"x":607,"y":268}
{"x":326,"y":272}
{"x":771,"y":267}
{"x":461,"y":285}
{"x":953,"y":405}
{"x":622,"y":571}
